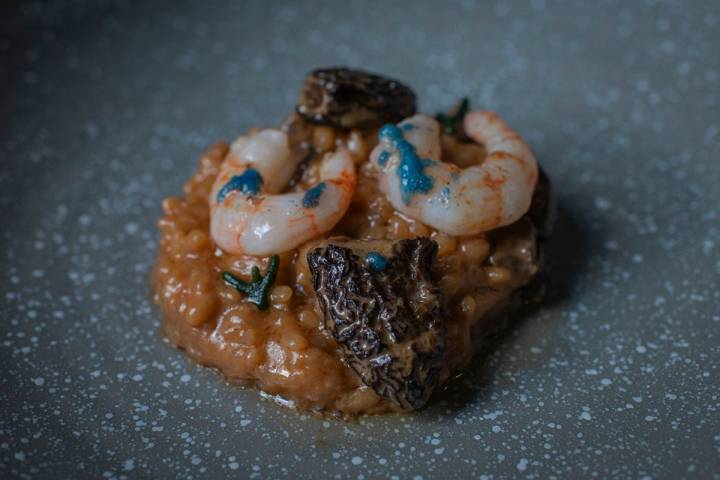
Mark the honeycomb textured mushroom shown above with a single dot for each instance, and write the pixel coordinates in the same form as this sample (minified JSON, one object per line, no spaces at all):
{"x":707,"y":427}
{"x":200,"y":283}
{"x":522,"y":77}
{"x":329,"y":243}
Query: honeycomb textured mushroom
{"x":345,"y":98}
{"x":384,"y":310}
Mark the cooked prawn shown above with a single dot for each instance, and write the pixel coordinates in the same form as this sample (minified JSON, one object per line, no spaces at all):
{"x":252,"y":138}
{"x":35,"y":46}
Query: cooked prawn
{"x":249,"y":215}
{"x":454,"y":200}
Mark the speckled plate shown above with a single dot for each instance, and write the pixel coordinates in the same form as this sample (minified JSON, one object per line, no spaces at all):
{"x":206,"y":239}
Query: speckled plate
{"x":105,"y":108}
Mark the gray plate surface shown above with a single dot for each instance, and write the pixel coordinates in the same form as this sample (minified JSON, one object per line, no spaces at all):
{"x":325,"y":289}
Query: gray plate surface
{"x":105,"y":108}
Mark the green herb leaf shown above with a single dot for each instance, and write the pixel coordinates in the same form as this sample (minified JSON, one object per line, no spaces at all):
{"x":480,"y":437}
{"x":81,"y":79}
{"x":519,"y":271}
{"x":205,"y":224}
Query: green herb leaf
{"x":257,"y":289}
{"x":453,"y":119}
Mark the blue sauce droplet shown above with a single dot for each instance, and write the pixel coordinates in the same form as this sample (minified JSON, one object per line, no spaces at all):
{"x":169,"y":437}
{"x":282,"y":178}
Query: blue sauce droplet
{"x":376,"y":261}
{"x":383,"y":158}
{"x":312,"y":196}
{"x":390,"y":132}
{"x":248,"y":183}
{"x":411,"y":171}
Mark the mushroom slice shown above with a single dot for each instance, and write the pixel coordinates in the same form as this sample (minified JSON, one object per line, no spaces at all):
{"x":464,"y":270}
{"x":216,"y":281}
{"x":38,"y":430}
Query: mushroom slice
{"x":385,"y":312}
{"x":345,"y":98}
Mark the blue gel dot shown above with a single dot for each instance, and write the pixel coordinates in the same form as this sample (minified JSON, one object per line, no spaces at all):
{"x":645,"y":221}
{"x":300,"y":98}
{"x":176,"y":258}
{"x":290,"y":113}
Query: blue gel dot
{"x":248,"y":183}
{"x":312,"y":196}
{"x":376,"y":261}
{"x":383,"y":158}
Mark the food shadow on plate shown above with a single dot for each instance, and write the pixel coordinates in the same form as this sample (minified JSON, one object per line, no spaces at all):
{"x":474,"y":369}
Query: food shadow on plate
{"x":566,"y":255}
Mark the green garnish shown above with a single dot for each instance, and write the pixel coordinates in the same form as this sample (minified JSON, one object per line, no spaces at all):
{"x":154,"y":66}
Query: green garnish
{"x":453,"y":119}
{"x":256,"y":290}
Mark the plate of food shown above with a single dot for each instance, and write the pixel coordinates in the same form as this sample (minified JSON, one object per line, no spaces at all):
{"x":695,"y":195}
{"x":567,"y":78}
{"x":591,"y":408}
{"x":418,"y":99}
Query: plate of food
{"x":392,"y":244}
{"x":304,"y":252}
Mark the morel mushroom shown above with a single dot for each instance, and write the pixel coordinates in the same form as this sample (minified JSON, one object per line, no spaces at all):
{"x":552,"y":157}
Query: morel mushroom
{"x":345,"y":98}
{"x":384,"y":310}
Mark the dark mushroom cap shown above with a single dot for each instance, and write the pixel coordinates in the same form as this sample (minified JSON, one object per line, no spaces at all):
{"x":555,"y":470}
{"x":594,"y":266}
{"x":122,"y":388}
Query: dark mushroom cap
{"x":387,"y":318}
{"x":345,"y":98}
{"x":542,"y":209}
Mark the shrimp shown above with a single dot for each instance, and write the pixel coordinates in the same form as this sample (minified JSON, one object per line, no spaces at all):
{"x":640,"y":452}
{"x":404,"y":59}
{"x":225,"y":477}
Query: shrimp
{"x":249,"y":215}
{"x":454,"y":200}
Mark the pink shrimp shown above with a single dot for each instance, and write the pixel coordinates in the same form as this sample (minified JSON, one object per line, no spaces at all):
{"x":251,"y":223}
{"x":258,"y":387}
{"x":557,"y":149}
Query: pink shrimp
{"x":454,"y":200}
{"x":248,"y":214}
